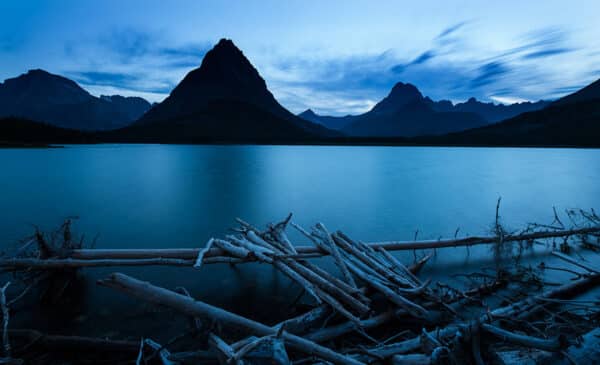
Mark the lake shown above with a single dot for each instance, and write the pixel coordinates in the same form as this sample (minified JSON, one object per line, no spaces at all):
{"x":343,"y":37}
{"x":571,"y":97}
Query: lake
{"x":179,"y":196}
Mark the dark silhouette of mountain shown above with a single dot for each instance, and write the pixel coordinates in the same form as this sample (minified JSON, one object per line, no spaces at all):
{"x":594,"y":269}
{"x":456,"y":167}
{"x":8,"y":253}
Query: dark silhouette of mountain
{"x":402,"y":112}
{"x":16,"y":131}
{"x":336,"y":123}
{"x":491,"y":112}
{"x":56,"y":100}
{"x":406,"y":113}
{"x":132,"y":107}
{"x":590,"y":92}
{"x":224,"y":99}
{"x":570,"y":121}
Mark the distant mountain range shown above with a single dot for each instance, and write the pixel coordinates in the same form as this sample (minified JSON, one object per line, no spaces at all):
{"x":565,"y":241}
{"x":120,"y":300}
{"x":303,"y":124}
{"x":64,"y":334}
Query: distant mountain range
{"x":56,"y":100}
{"x":405,"y":112}
{"x":573,"y":120}
{"x":225,"y":100}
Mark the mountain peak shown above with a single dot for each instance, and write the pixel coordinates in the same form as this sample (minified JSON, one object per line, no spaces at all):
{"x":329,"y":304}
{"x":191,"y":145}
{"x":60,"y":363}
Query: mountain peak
{"x":40,"y":86}
{"x":308,"y":112}
{"x":400,"y":95}
{"x":405,"y":92}
{"x":225,"y":43}
{"x":38,"y":71}
{"x":225,"y":75}
{"x":404,"y":87}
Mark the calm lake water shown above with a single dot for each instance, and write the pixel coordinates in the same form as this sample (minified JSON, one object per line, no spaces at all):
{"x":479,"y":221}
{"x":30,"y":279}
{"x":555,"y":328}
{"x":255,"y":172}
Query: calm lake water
{"x":180,"y":196}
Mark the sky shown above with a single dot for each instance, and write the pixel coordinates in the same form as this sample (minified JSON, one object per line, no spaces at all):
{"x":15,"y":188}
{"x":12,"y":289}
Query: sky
{"x":336,"y":57}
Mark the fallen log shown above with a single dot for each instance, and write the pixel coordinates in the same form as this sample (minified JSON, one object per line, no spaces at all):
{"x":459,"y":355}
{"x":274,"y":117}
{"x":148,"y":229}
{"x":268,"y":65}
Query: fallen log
{"x":192,"y":253}
{"x":520,"y":307}
{"x":522,"y":340}
{"x":195,"y":308}
{"x":53,"y":343}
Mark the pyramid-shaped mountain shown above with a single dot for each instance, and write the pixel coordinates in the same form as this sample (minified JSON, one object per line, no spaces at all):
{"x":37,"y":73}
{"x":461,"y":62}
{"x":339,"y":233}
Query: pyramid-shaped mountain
{"x":225,"y":99}
{"x":41,"y":96}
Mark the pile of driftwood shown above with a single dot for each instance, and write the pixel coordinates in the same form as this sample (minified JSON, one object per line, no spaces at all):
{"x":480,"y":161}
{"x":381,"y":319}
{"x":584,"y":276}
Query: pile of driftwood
{"x":371,"y":309}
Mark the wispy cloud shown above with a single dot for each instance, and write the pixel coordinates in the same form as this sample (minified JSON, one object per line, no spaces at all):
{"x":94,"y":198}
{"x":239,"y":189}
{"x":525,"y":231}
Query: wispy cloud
{"x":120,"y":80}
{"x":446,"y":70}
{"x":449,"y":67}
{"x":144,"y":62}
{"x":489,"y":73}
{"x":451,"y":29}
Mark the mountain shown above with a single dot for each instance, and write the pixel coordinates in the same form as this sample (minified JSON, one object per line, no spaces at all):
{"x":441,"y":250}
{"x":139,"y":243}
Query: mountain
{"x":491,"y":112}
{"x":18,"y":132}
{"x":573,"y":120}
{"x":590,"y":92}
{"x":131,"y":107}
{"x":225,"y":99}
{"x":336,"y":123}
{"x":56,"y":100}
{"x":404,"y":112}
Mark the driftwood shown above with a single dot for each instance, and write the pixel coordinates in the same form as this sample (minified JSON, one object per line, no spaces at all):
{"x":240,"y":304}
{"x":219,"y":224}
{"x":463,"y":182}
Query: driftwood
{"x":47,"y":342}
{"x":189,"y":306}
{"x":192,"y":253}
{"x":372,"y":309}
{"x":524,"y":306}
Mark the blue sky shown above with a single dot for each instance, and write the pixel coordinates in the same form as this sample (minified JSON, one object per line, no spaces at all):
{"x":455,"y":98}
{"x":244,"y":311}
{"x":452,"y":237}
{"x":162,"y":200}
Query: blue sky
{"x":336,"y":57}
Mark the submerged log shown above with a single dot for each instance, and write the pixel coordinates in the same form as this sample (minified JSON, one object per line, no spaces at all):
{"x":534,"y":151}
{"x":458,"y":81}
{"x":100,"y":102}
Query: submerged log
{"x":60,"y":343}
{"x":195,"y":308}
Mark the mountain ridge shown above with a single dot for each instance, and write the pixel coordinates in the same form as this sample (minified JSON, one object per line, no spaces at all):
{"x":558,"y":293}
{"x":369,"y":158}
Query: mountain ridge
{"x":403,"y":94}
{"x":59,"y":101}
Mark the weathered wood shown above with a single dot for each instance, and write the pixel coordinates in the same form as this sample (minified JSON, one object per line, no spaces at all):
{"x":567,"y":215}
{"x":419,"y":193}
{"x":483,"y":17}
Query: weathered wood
{"x":411,"y":359}
{"x":224,"y":351}
{"x":52,"y":343}
{"x":563,"y":291}
{"x":329,"y":287}
{"x":400,"y":267}
{"x":305,"y":322}
{"x":332,"y":248}
{"x":189,"y":306}
{"x":575,"y":262}
{"x":200,"y":258}
{"x":367,"y":260}
{"x":393,"y":296}
{"x":192,"y":253}
{"x":522,"y":340}
{"x":5,"y":320}
{"x":69,"y":263}
{"x":163,"y":354}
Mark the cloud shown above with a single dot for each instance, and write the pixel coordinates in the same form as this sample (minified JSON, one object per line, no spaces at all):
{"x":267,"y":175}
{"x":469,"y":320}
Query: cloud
{"x":126,"y":81}
{"x":489,"y":73}
{"x":451,"y":29}
{"x":450,"y":67}
{"x":547,"y":52}
{"x":128,"y":60}
{"x":104,"y":78}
